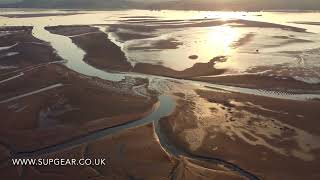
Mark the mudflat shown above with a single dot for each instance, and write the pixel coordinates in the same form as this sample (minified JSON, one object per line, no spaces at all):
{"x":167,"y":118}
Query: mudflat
{"x":160,"y":121}
{"x":251,"y":131}
{"x":57,"y":104}
{"x":100,"y":51}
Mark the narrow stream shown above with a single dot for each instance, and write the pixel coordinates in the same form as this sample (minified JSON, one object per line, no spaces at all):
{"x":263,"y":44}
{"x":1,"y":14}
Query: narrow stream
{"x":74,"y":60}
{"x":165,"y":107}
{"x":173,"y":150}
{"x":261,"y":92}
{"x":73,"y":55}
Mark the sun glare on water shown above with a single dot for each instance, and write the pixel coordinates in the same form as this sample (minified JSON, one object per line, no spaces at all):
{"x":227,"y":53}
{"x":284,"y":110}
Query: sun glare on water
{"x":222,"y":40}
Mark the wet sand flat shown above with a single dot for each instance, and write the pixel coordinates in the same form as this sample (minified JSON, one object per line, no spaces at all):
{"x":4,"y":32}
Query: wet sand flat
{"x":61,"y":111}
{"x":22,"y":46}
{"x":199,"y":69}
{"x":83,"y":36}
{"x":80,"y":105}
{"x":96,"y":55}
{"x":125,"y":160}
{"x":37,"y":15}
{"x":50,"y":110}
{"x":251,"y":131}
{"x":284,"y":84}
{"x":207,"y":23}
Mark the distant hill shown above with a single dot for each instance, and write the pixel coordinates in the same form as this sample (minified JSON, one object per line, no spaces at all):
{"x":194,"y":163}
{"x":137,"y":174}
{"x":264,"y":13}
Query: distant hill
{"x":173,"y":4}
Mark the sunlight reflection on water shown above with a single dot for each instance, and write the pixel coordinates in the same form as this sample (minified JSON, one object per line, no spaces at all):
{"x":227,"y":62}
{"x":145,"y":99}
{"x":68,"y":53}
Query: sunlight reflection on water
{"x":207,"y":42}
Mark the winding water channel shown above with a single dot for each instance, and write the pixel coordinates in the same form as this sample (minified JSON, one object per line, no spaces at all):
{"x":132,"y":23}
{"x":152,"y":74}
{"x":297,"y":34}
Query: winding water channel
{"x":73,"y":55}
{"x":166,"y":105}
{"x":170,"y":148}
{"x":74,"y":60}
{"x":164,"y":108}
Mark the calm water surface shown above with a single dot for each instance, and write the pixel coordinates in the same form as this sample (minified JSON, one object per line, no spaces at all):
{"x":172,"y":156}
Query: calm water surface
{"x":280,"y":52}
